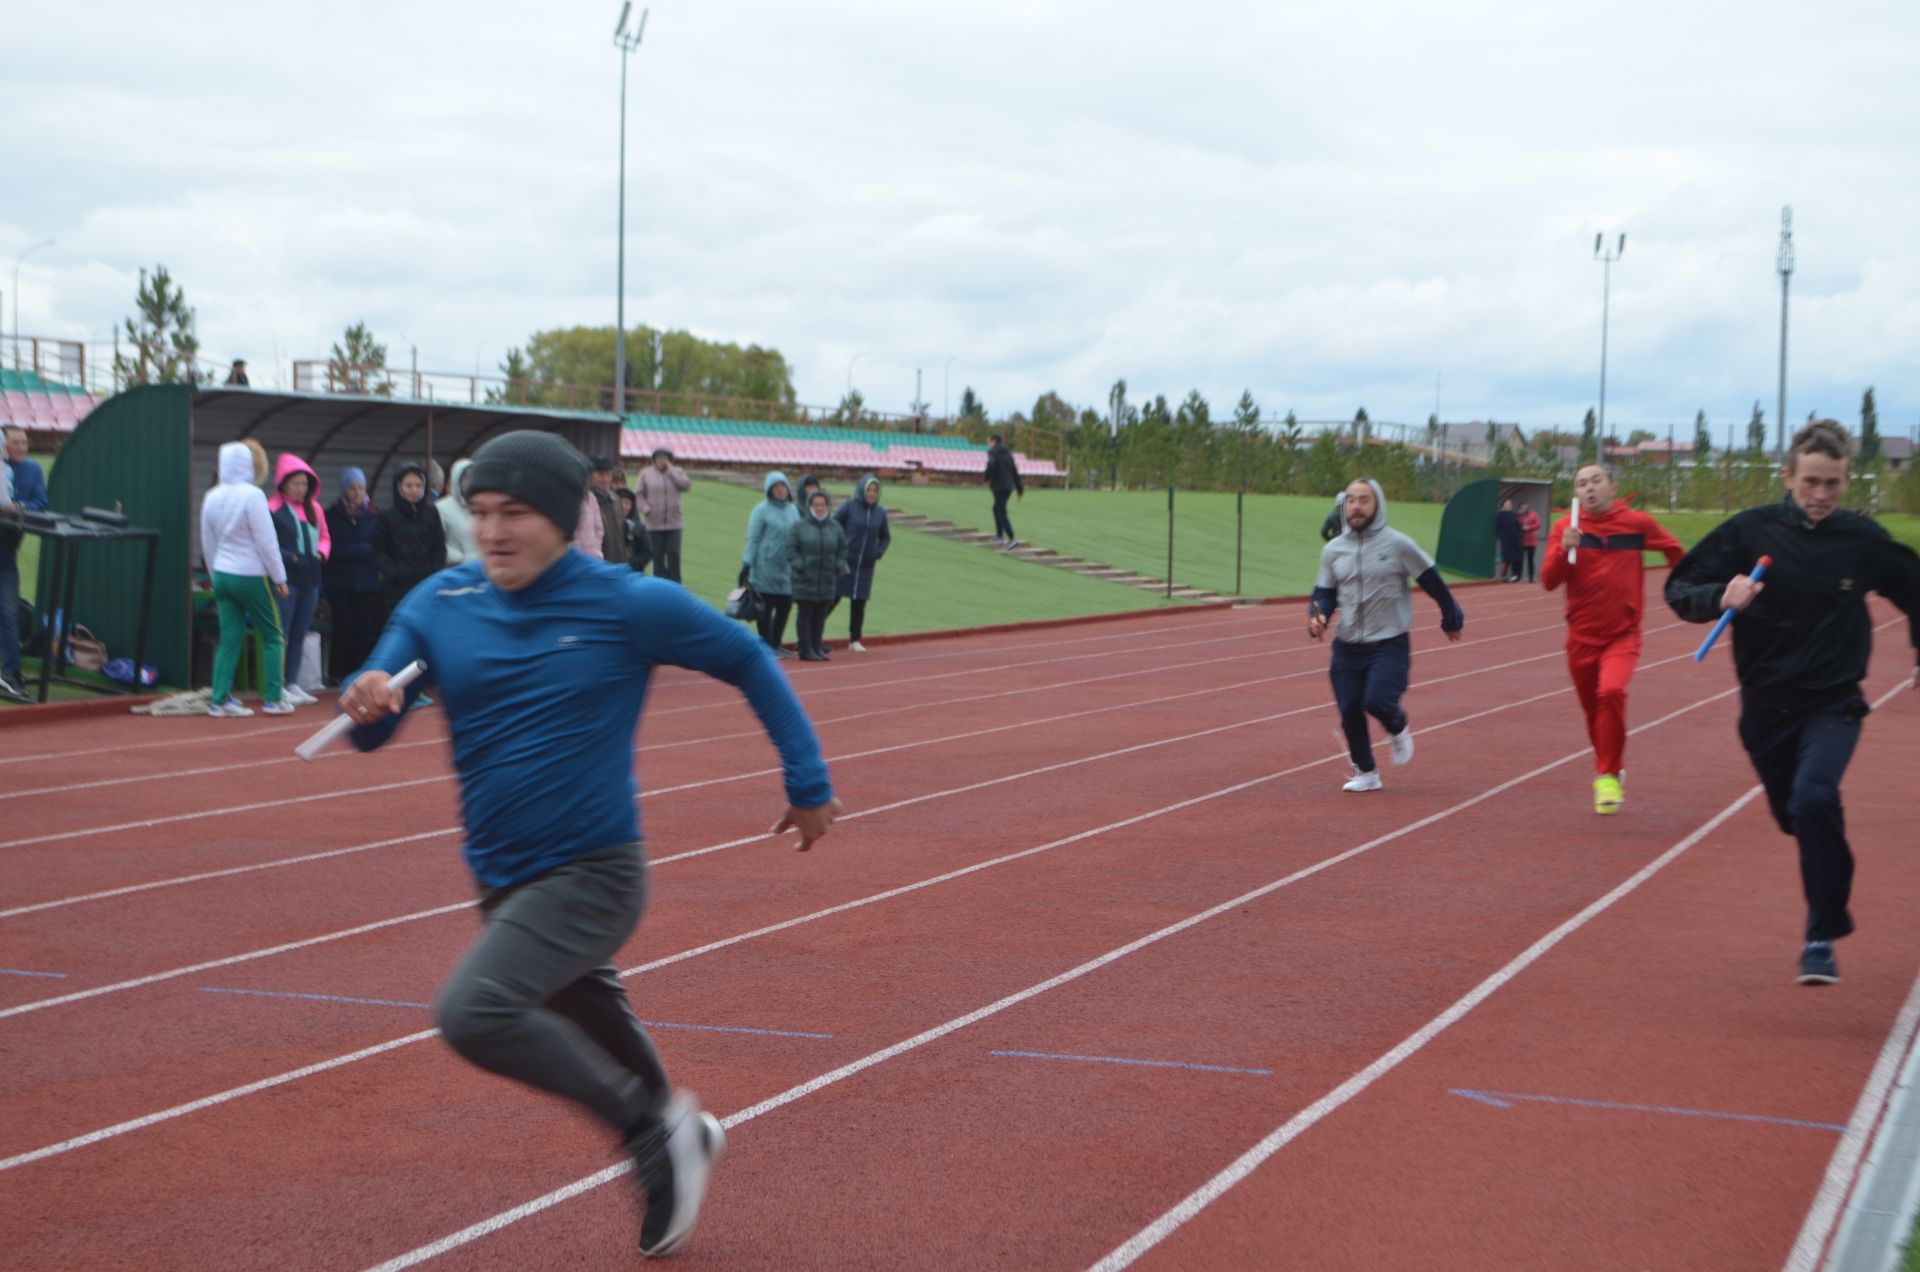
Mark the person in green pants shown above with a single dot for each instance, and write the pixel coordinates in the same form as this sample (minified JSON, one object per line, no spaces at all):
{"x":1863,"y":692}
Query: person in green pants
{"x":243,"y":555}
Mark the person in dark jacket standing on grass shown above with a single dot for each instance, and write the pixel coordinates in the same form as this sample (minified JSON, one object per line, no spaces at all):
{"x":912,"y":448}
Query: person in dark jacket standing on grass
{"x":1003,"y":479}
{"x":350,"y":577}
{"x":542,"y":657}
{"x":1365,"y":572}
{"x":817,"y":557}
{"x":614,"y":545}
{"x":1506,"y":532}
{"x":1801,"y":640}
{"x":868,"y":538}
{"x":409,"y":544}
{"x":641,"y":549}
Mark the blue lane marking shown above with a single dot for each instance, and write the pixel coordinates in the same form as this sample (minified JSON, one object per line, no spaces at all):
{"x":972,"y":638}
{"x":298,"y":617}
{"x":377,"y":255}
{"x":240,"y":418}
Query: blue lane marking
{"x":740,"y":1029}
{"x":318,"y":998}
{"x":1506,"y":1100}
{"x":1150,"y":1064}
{"x":390,"y":1002}
{"x":15,"y":971}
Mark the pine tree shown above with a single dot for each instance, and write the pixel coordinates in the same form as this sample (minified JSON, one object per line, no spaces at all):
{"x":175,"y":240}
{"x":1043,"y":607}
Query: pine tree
{"x":1757,"y":434}
{"x":1702,"y":438}
{"x":164,"y":345}
{"x":1869,"y":430}
{"x":358,"y":363}
{"x":971,"y":407}
{"x":1589,"y":438}
{"x":1246,"y":439}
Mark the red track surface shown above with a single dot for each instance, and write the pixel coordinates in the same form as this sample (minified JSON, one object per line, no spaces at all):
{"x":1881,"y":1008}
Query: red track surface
{"x":937,"y":1151}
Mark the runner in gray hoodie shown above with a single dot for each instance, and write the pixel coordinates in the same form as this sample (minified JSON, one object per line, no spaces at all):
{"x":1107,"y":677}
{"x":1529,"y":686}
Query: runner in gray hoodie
{"x":1365,"y":571}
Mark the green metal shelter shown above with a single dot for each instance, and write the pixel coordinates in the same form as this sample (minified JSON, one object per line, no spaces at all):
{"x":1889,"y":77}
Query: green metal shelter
{"x":152,"y":452}
{"x":1466,"y":544}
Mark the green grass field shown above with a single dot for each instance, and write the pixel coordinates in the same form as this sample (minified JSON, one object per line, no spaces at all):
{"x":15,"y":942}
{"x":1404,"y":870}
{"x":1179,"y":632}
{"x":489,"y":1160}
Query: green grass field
{"x":926,"y":583}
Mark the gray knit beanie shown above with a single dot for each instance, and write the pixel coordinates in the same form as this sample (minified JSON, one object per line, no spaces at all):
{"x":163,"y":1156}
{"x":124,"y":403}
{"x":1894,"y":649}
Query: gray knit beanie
{"x":538,"y":469}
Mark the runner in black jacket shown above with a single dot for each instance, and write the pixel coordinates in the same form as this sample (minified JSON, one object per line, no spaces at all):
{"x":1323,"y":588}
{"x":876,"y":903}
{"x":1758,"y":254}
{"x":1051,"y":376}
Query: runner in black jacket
{"x":1801,"y":639}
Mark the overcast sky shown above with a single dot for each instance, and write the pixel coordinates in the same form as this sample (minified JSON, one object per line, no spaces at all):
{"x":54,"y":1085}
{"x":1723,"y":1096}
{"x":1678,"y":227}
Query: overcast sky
{"x":1331,"y":204}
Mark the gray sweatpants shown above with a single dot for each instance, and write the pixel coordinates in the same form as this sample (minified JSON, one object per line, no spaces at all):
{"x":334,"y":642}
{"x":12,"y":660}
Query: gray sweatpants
{"x":538,"y":1000}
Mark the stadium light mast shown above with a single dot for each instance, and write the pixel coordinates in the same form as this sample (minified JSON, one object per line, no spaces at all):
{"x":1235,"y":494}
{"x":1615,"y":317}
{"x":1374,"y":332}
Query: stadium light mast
{"x":1784,"y":263}
{"x":1607,"y":256}
{"x":16,"y":296}
{"x":626,"y":44}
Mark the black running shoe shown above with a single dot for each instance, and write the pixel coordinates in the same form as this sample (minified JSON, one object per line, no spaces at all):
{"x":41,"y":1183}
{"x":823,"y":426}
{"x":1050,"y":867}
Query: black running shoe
{"x":673,"y":1159}
{"x":1817,"y":965}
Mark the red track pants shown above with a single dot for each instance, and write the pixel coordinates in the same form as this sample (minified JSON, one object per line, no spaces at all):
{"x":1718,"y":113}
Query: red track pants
{"x":1600,"y":676}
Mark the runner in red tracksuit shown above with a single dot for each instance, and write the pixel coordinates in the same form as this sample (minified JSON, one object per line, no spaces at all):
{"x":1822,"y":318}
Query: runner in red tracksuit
{"x":1605,"y":591}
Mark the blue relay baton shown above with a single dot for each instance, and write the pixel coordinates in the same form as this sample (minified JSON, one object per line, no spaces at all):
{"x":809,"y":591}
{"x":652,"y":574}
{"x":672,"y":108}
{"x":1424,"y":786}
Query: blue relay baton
{"x":1726,"y":615}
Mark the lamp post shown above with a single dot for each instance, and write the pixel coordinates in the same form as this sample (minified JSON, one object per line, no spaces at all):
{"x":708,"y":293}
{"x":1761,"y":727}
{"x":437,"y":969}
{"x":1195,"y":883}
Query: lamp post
{"x":946,"y":399}
{"x":16,"y":296}
{"x":626,"y":44}
{"x":1607,"y":256}
{"x":1783,"y":263}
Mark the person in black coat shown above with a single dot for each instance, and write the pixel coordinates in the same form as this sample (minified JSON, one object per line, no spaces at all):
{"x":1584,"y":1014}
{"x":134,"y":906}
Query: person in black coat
{"x":1506,"y":530}
{"x":410,"y":544}
{"x":868,"y":538}
{"x":640,"y":545}
{"x":1003,"y":479}
{"x":350,"y":579}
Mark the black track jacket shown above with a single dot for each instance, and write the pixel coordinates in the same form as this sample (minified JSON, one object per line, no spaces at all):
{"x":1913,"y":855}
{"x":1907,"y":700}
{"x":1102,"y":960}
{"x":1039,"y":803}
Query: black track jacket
{"x":1805,"y":640}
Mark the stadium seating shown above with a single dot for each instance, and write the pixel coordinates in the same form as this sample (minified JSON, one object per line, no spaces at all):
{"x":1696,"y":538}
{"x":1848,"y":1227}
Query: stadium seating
{"x":802,"y":447}
{"x":42,"y":406}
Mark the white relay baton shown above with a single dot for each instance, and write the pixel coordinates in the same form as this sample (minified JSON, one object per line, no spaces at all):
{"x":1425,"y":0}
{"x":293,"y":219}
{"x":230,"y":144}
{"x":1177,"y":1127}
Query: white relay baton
{"x":341,"y":723}
{"x":1573,"y":553}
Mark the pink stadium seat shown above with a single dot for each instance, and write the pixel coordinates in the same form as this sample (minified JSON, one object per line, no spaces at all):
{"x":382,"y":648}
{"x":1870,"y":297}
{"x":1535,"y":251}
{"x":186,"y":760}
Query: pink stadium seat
{"x":63,"y":408}
{"x":14,"y":408}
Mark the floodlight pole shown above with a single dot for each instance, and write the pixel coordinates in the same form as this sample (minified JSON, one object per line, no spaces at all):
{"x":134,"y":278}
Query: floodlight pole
{"x":626,"y":44}
{"x":1607,"y":256}
{"x":1784,"y":263}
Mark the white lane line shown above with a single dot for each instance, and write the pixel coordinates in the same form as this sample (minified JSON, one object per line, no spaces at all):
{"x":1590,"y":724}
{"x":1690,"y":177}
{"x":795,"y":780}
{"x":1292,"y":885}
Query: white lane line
{"x":444,"y":777}
{"x":218,"y":736}
{"x":770,"y":929}
{"x":1129,"y":1251}
{"x":154,"y":979}
{"x":496,"y":1223}
{"x":237,"y":767}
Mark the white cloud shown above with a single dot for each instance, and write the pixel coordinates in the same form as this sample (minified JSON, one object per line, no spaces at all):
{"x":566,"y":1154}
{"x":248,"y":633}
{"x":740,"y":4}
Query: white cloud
{"x":1328,"y":204}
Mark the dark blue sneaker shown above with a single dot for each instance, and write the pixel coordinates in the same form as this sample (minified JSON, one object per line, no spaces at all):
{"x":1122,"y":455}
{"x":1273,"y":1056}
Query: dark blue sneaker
{"x":1817,"y":965}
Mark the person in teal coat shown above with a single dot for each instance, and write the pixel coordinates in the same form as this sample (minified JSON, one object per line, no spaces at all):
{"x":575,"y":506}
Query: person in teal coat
{"x":763,"y":566}
{"x":817,"y":551}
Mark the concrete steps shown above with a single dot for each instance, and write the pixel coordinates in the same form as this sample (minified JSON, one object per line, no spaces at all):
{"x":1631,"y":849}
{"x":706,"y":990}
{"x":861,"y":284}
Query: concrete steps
{"x":1046,"y":556}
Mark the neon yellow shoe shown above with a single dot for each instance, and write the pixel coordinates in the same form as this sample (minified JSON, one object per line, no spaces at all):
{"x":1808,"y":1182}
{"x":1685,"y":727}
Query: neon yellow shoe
{"x":1607,"y":795}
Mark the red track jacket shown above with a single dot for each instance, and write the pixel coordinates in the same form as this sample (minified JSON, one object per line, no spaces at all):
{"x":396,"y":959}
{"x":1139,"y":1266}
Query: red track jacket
{"x":1606,"y":586}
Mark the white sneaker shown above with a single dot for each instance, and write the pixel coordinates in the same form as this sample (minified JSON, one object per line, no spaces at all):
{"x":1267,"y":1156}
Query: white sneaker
{"x":857,"y":647}
{"x":231,"y":709}
{"x":695,"y":1141}
{"x":1402,"y":745}
{"x":297,"y":696}
{"x":282,"y":707}
{"x":1363,"y":781}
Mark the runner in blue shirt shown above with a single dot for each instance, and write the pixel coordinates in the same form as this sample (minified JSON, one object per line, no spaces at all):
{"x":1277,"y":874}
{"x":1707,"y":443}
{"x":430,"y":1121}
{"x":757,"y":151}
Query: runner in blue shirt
{"x":541,"y":658}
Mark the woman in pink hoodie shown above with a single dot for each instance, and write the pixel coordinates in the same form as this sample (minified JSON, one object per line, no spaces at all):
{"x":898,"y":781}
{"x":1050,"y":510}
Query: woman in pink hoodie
{"x":304,"y":544}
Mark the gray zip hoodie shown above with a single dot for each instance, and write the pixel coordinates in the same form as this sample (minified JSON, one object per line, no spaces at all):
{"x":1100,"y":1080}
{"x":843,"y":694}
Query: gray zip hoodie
{"x":1366,"y":573}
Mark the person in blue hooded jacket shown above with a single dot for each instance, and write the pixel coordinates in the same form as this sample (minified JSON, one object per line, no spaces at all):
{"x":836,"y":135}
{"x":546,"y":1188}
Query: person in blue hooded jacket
{"x":868,"y":538}
{"x":1366,"y":573}
{"x":763,"y":566}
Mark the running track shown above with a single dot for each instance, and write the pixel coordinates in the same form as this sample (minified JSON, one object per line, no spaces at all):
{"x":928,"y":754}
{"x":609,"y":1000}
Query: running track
{"x":1101,"y":969}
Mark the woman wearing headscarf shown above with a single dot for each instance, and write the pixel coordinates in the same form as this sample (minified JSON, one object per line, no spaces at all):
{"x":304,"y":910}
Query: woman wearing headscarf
{"x":764,"y":566}
{"x":865,"y":524}
{"x":350,"y":578}
{"x":304,"y":548}
{"x":410,"y":543}
{"x":817,"y":556}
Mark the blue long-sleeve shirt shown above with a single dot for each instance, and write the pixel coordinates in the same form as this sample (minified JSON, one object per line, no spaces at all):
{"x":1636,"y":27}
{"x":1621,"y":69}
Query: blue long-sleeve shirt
{"x":29,"y":485}
{"x":543,"y":689}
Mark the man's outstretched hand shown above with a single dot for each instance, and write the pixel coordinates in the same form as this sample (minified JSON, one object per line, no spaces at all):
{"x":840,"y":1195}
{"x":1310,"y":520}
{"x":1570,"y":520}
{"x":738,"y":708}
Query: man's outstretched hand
{"x":812,"y":823}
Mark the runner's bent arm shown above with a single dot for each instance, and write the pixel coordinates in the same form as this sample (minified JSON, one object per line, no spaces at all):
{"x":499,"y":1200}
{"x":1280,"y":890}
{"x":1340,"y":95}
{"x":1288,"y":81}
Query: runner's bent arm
{"x":1554,"y":570}
{"x":671,"y":625}
{"x":400,"y":643}
{"x":1700,"y":578}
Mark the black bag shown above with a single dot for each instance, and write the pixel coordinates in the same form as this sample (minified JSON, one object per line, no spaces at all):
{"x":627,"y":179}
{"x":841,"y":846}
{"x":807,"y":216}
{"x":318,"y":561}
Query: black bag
{"x":743,"y":603}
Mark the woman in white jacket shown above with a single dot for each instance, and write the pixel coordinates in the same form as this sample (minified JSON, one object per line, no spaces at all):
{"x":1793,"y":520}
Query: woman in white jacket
{"x":243,"y":555}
